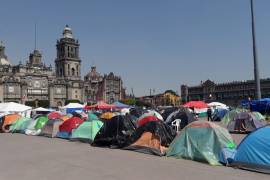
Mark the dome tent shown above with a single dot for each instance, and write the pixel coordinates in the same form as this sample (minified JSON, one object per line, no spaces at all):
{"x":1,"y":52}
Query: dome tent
{"x":245,"y":122}
{"x":200,"y":141}
{"x":87,"y":131}
{"x":67,"y":126}
{"x":152,"y":138}
{"x":51,"y":128}
{"x":114,"y":132}
{"x":253,"y":152}
{"x":20,"y":125}
{"x":184,"y":115}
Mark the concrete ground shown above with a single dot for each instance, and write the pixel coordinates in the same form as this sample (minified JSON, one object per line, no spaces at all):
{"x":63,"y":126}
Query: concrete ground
{"x":39,"y":158}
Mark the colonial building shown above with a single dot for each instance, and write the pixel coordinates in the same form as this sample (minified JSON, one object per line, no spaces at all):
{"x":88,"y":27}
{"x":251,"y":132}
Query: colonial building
{"x":108,"y":88}
{"x":231,"y":93}
{"x":168,"y":98}
{"x":35,"y":82}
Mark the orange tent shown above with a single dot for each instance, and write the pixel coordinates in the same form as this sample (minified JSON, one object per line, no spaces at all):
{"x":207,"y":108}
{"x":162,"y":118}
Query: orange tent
{"x":107,"y":115}
{"x":8,"y":120}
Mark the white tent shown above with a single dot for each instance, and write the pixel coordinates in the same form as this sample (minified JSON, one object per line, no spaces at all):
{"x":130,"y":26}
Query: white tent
{"x":12,"y":107}
{"x":71,"y":107}
{"x":218,"y":105}
{"x":41,"y":109}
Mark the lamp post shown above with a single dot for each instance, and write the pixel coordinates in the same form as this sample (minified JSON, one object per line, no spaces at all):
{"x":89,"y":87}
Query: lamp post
{"x":255,"y":58}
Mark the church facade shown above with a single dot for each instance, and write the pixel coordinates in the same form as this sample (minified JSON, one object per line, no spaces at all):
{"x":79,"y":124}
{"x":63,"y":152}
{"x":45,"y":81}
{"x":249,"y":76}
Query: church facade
{"x":35,"y":82}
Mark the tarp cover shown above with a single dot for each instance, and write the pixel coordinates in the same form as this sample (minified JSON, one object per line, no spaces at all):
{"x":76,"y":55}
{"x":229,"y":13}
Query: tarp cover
{"x":200,"y":141}
{"x":253,"y":151}
{"x":114,"y":132}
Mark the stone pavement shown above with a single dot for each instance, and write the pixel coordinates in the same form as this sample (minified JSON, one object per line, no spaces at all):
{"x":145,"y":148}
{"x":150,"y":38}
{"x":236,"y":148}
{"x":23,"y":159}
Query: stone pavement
{"x":33,"y":158}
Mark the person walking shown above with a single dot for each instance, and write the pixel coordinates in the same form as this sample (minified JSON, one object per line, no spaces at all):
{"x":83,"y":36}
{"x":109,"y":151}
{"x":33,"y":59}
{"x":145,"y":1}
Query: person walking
{"x":209,"y":114}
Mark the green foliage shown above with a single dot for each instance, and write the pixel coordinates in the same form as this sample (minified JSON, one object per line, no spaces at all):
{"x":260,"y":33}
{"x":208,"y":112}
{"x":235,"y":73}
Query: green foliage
{"x":129,"y":101}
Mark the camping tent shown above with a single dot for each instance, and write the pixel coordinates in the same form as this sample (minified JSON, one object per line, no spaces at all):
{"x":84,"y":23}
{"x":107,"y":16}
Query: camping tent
{"x":200,"y":141}
{"x":67,"y":126}
{"x":20,"y":125}
{"x":245,"y":122}
{"x":87,"y":131}
{"x":183,"y":114}
{"x":114,"y":132}
{"x":71,"y":107}
{"x":107,"y":115}
{"x":12,"y":107}
{"x":152,"y":138}
{"x":146,"y":119}
{"x":55,"y":115}
{"x":9,"y":120}
{"x":253,"y":152}
{"x":51,"y":128}
{"x":231,"y":115}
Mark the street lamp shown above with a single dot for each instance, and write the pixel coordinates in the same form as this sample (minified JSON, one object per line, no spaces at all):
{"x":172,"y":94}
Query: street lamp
{"x":255,"y":58}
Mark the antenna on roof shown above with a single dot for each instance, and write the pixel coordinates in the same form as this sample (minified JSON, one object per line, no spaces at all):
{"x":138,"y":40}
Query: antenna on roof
{"x":35,"y":36}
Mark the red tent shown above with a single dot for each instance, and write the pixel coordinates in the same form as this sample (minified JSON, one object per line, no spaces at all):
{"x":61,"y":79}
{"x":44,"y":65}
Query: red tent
{"x":196,"y":104}
{"x":54,"y":115}
{"x":147,"y":119}
{"x":71,"y":123}
{"x":101,"y":105}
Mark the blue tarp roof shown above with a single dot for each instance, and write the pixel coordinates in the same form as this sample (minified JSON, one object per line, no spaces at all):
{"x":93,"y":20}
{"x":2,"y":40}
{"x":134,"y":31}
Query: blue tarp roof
{"x":120,"y":105}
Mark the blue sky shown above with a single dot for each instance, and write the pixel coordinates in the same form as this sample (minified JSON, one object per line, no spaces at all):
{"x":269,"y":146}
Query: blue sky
{"x":151,"y":44}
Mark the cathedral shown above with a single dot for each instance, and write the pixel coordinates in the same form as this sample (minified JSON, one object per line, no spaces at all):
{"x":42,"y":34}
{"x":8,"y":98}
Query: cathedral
{"x":36,"y":84}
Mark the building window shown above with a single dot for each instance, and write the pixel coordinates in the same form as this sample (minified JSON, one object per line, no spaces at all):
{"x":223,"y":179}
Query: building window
{"x":73,"y":71}
{"x":68,"y":69}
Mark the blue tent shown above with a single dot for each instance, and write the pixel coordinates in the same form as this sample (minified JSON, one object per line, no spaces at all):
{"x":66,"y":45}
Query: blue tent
{"x":219,"y":114}
{"x":253,"y":153}
{"x":261,"y":105}
{"x":120,"y":105}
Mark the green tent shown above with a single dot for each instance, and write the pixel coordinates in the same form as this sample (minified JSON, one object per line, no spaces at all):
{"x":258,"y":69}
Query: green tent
{"x":201,"y":141}
{"x":20,"y":125}
{"x":230,"y":116}
{"x":41,"y":121}
{"x":87,"y":131}
{"x":92,"y":116}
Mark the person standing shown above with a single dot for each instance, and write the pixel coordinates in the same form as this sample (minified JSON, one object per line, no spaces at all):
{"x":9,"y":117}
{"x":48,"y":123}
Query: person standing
{"x":209,"y":114}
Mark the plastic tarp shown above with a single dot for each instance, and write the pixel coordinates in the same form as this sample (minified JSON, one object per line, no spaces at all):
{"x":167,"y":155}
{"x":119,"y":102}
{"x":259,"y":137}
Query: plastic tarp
{"x":101,"y":105}
{"x":13,"y":107}
{"x":120,"y":105}
{"x":115,"y":132}
{"x":200,"y":141}
{"x":253,"y":152}
{"x":87,"y":131}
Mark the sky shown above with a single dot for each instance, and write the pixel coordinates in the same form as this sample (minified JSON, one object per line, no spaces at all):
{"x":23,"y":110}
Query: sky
{"x":151,"y":44}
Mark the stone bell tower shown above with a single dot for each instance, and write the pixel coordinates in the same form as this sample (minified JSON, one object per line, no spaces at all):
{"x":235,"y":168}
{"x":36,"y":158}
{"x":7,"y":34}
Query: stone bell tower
{"x":67,"y":62}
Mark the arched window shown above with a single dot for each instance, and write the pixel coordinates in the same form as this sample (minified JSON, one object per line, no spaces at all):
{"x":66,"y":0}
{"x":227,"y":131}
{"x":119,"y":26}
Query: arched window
{"x":77,"y":70}
{"x":73,"y":71}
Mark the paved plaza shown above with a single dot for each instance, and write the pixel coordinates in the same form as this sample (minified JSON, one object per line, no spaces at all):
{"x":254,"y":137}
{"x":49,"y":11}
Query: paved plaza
{"x":32,"y":158}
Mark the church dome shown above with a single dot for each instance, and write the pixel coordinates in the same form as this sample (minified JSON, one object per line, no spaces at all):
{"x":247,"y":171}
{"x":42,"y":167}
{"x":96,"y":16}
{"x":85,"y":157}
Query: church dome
{"x":67,"y":33}
{"x":4,"y":61}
